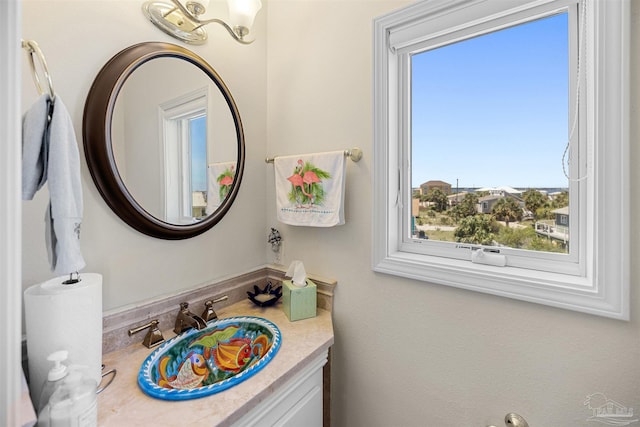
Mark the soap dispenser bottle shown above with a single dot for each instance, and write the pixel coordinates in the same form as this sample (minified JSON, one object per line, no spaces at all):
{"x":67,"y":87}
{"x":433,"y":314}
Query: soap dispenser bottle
{"x":57,"y":373}
{"x":69,"y":397}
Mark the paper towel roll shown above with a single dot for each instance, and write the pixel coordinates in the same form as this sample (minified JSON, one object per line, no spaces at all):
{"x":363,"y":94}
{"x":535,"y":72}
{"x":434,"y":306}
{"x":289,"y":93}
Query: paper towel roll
{"x":63,"y":317}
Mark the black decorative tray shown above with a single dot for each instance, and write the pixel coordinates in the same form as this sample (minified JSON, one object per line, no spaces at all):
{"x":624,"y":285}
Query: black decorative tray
{"x":265,"y":297}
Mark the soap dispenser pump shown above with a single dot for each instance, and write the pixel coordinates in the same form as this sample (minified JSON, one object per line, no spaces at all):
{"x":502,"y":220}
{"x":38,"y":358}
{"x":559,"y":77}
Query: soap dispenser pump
{"x":58,"y":372}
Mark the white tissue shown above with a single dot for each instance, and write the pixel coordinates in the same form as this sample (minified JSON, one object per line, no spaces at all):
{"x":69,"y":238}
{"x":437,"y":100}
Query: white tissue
{"x":297,"y":273}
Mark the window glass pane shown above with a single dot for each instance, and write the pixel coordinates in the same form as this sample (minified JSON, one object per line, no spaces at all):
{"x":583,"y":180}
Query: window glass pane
{"x":489,"y":126}
{"x":198,"y":142}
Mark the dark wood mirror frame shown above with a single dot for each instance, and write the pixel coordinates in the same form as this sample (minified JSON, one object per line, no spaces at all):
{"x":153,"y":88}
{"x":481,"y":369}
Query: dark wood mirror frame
{"x":96,"y":132}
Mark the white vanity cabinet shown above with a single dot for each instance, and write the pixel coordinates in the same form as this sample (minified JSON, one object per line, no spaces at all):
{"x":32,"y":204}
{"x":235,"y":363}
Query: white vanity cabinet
{"x":297,"y":402}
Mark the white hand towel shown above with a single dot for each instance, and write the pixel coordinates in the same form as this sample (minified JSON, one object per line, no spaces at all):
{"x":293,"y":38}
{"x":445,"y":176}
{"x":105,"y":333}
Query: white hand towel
{"x":310,"y":189}
{"x":220,"y":178}
{"x":35,"y":147}
{"x":64,"y":214}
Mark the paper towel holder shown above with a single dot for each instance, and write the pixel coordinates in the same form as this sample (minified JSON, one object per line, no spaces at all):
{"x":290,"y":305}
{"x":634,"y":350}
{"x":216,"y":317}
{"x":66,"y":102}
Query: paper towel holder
{"x":111,"y":373}
{"x":71,"y":280}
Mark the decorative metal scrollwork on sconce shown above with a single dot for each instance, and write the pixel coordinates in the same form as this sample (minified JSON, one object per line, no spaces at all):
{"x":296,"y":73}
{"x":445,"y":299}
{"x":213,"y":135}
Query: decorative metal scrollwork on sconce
{"x":184,"y":23}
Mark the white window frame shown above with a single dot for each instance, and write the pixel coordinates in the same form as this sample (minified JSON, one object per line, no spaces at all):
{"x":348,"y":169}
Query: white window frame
{"x":174,"y":116}
{"x":600,"y":283}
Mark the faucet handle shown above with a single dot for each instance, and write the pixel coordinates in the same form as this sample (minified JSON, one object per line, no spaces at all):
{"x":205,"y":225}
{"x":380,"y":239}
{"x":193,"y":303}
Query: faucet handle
{"x":154,"y":335}
{"x":209,"y":313}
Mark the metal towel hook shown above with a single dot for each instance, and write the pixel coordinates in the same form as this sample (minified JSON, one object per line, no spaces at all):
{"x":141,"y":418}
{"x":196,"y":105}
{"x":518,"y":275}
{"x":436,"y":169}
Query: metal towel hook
{"x":32,"y":48}
{"x":71,"y":280}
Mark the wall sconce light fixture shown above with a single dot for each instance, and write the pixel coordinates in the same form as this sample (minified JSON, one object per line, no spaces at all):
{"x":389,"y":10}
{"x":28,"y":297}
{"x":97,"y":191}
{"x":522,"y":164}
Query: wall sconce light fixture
{"x":183,"y":22}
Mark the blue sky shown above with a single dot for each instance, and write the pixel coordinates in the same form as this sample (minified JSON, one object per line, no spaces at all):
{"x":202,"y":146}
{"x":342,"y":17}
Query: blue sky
{"x":493,"y":110}
{"x":198,"y":153}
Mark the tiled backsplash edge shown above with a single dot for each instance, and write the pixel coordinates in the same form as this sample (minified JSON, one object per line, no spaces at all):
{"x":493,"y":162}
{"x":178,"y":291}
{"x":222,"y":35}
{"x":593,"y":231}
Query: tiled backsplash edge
{"x":116,"y":325}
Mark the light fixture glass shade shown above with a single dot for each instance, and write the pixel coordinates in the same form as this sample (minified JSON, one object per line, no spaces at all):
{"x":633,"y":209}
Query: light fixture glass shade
{"x":242,"y":13}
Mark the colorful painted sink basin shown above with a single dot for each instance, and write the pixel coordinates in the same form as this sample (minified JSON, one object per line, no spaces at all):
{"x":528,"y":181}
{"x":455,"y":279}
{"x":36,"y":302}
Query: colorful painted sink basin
{"x":199,"y":363}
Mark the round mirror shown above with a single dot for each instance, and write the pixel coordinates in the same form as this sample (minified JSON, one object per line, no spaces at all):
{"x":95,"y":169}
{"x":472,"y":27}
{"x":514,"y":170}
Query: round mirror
{"x":163,"y":140}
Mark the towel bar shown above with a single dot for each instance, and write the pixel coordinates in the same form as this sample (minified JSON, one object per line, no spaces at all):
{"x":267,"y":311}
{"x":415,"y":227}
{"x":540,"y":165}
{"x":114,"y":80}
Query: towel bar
{"x":32,"y":48}
{"x":355,"y":154}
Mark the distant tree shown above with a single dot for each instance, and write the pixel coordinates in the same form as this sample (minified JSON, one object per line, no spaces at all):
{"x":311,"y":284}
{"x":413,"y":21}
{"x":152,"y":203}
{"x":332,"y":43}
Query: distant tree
{"x":445,"y":220}
{"x":544,"y":245}
{"x":516,"y":237}
{"x":507,"y":209}
{"x":545,"y":212}
{"x":533,"y":199}
{"x":478,"y":229}
{"x":526,"y":238}
{"x":467,"y":207}
{"x":469,"y":204}
{"x":561,"y":200}
{"x":438,"y":199}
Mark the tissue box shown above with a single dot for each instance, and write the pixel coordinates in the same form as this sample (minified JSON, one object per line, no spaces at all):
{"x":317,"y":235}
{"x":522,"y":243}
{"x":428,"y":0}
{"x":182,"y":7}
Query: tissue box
{"x":299,"y":303}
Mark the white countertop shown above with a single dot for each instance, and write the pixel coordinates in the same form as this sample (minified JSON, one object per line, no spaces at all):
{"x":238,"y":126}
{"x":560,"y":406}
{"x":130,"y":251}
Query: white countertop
{"x":123,"y":403}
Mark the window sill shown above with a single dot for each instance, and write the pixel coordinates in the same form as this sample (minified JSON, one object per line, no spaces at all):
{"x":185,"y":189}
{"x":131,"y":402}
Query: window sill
{"x":557,"y":290}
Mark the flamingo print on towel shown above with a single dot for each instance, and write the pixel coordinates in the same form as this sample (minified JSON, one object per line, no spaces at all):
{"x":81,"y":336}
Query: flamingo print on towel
{"x":310,"y":189}
{"x":225,"y":181}
{"x":220,"y":180}
{"x":306,"y":185}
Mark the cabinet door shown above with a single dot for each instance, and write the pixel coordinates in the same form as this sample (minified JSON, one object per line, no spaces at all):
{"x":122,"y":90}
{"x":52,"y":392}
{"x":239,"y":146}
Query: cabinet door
{"x":296,"y":403}
{"x":307,"y":411}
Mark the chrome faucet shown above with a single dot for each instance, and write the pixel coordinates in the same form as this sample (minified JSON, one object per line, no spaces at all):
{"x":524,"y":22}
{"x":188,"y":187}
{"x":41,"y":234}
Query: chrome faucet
{"x":186,"y":319}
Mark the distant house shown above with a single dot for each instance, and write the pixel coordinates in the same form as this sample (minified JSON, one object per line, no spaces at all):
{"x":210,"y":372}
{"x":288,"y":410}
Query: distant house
{"x":454,"y":199}
{"x":486,"y":203}
{"x":500,"y":191}
{"x":415,"y":207}
{"x":562,"y":216}
{"x":445,"y":187}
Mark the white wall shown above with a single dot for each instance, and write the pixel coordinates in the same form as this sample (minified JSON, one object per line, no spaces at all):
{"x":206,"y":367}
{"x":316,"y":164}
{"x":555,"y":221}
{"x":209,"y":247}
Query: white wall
{"x":77,"y":38}
{"x":406,"y":353}
{"x":409,"y":353}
